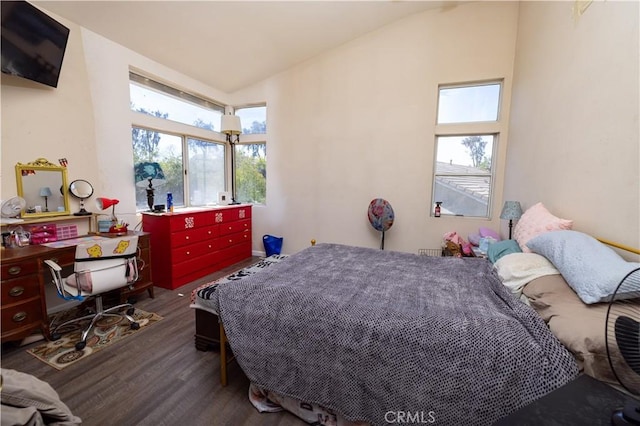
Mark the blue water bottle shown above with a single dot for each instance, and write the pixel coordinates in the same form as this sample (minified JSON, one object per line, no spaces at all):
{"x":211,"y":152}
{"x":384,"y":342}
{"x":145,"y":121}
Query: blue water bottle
{"x":169,"y":202}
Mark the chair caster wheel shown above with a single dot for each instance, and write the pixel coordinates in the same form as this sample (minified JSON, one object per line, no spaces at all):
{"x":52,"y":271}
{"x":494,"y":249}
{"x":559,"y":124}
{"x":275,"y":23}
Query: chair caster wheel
{"x":80,"y":346}
{"x":55,"y":336}
{"x":131,"y":311}
{"x":135,"y":326}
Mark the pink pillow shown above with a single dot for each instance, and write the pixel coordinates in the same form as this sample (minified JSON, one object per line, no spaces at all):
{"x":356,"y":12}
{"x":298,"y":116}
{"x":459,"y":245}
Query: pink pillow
{"x":535,"y":221}
{"x":486,"y":232}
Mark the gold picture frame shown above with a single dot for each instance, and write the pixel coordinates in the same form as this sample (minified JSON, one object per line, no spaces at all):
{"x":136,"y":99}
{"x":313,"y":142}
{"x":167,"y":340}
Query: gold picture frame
{"x":44,"y":187}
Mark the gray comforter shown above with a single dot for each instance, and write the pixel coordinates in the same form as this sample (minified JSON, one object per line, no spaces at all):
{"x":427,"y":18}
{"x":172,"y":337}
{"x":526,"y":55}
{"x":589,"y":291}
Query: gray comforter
{"x":379,"y":335}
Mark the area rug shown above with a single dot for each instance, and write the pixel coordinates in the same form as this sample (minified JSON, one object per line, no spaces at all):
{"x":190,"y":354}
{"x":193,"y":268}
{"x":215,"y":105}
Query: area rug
{"x":62,"y":353}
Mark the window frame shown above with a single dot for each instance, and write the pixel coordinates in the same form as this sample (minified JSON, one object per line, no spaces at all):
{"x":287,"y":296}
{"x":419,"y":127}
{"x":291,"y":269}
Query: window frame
{"x":465,"y":129}
{"x":184,"y":145}
{"x":252,"y":138}
{"x":184,"y":131}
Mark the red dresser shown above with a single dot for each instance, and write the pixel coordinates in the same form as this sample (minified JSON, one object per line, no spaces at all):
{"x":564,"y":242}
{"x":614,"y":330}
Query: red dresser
{"x":189,"y":244}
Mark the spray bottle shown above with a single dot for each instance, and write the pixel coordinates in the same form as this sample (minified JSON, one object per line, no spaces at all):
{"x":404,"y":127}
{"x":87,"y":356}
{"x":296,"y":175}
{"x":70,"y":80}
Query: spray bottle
{"x":437,"y":210}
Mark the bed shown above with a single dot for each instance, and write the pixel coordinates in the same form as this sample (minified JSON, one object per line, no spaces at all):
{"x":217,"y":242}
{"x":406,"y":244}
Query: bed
{"x":373,"y":336}
{"x":350,"y":336}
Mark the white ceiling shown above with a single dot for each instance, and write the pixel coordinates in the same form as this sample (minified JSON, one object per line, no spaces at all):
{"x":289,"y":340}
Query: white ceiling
{"x":233,"y":44}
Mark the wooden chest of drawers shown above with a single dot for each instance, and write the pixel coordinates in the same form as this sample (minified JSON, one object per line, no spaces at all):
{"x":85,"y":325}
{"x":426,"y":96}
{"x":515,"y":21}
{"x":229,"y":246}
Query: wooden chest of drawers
{"x":190,"y":244}
{"x":23,"y":301}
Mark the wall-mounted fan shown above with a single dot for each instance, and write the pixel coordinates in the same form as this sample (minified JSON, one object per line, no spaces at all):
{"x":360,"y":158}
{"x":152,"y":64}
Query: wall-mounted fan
{"x":623,"y":344}
{"x":10,"y":209}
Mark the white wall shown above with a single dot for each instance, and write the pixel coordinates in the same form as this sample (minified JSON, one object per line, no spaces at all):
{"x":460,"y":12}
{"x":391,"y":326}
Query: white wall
{"x":358,"y":123}
{"x":40,"y":121}
{"x":575,"y":142}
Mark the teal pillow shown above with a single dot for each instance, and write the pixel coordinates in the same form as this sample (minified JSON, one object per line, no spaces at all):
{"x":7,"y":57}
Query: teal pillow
{"x":502,"y":248}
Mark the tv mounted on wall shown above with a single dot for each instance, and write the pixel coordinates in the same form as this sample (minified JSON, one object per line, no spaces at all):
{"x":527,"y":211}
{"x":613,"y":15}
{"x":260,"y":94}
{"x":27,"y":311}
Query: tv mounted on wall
{"x":33,"y":43}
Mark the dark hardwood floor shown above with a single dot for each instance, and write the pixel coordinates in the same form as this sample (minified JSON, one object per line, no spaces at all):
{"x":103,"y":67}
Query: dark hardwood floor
{"x":156,"y":377}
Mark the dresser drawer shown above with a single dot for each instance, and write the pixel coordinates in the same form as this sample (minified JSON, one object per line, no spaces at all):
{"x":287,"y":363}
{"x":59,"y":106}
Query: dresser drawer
{"x":16,"y":270}
{"x":190,"y":267}
{"x":18,"y":289}
{"x":179,"y":239}
{"x":184,"y":222}
{"x":234,"y":227}
{"x":232,"y":214}
{"x":21,"y":315}
{"x":241,"y":251}
{"x":184,"y":253}
{"x":233,"y":239}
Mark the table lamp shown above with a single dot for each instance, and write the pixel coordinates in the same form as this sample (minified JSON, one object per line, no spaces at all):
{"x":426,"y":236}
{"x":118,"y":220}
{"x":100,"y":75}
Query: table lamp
{"x":46,"y":193}
{"x":511,"y":211}
{"x":146,"y":174}
{"x":105,"y":203}
{"x":230,"y":125}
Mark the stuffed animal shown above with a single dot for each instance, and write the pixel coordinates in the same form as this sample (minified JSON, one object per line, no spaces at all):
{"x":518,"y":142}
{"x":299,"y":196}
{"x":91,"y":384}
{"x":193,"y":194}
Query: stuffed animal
{"x":463,"y":248}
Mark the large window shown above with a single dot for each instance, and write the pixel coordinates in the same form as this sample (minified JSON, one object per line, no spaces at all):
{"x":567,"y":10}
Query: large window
{"x":157,"y":99}
{"x":466,"y":142}
{"x":166,"y":150}
{"x":251,"y":155}
{"x":192,"y":160}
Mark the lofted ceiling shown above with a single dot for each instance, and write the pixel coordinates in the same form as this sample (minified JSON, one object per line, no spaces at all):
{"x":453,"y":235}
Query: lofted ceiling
{"x":233,"y":44}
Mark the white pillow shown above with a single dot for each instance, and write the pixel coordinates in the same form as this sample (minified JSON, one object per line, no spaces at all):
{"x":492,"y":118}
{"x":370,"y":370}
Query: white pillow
{"x":592,"y":269}
{"x":518,"y":269}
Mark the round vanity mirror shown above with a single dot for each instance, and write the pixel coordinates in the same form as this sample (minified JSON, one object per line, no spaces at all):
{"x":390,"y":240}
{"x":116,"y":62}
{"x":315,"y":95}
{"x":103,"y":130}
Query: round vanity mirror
{"x":81,"y":189}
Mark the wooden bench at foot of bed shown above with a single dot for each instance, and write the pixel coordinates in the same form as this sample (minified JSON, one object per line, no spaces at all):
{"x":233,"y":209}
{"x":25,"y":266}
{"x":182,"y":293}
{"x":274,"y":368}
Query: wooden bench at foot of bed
{"x":209,"y":336}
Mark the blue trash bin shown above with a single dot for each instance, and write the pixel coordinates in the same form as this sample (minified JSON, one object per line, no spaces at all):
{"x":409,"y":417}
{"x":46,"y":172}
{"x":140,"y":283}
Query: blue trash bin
{"x":272,"y":245}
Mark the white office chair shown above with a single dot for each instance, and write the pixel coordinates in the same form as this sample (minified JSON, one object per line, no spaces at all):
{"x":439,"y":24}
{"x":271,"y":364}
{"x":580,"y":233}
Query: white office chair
{"x":100,"y":266}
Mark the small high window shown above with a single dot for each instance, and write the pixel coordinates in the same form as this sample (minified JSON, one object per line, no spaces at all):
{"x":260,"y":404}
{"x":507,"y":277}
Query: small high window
{"x":253,"y":119}
{"x":464,"y":169}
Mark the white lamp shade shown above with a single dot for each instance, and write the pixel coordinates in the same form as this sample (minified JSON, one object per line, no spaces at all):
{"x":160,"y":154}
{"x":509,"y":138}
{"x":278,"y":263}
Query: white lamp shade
{"x":230,"y":124}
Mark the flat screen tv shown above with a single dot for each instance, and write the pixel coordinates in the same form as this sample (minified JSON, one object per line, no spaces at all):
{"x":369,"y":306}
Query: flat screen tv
{"x":33,"y":43}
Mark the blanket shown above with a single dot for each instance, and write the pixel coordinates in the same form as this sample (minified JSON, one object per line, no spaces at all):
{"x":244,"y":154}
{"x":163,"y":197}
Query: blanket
{"x":380,"y":335}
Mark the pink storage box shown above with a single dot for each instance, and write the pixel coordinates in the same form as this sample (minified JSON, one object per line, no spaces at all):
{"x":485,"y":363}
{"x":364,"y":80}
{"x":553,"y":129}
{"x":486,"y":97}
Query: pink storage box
{"x":64,"y":232}
{"x":43,"y":233}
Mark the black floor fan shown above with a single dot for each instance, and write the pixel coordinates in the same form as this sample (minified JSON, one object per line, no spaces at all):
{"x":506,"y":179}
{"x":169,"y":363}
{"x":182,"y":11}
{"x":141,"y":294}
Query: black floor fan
{"x":623,"y":344}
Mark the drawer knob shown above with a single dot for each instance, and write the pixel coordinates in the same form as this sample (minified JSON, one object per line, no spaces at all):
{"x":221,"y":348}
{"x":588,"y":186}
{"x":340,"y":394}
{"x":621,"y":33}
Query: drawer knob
{"x":186,"y":238}
{"x":16,"y":291}
{"x":15,"y":270}
{"x":20,"y":316}
{"x":230,"y":241}
{"x":188,"y":253}
{"x":229,"y":228}
{"x":209,"y":232}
